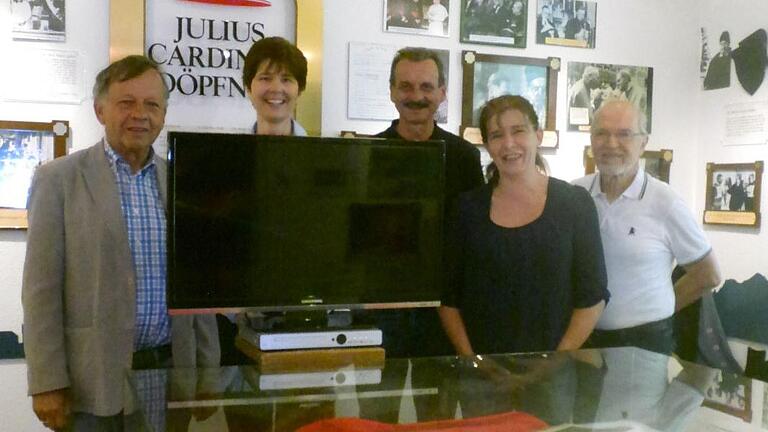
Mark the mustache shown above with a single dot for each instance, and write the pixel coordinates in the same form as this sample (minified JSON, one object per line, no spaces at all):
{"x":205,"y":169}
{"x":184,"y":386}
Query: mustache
{"x":417,"y":104}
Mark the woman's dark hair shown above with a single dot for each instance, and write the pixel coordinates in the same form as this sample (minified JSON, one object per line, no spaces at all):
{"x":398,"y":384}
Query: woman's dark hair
{"x":496,"y":107}
{"x":275,"y":51}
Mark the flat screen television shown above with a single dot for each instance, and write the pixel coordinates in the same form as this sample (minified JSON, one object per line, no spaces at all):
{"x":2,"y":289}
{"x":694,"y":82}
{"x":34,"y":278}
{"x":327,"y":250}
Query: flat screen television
{"x":293,"y":223}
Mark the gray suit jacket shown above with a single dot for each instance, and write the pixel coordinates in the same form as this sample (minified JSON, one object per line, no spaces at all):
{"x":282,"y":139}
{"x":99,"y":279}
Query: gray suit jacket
{"x":79,"y":287}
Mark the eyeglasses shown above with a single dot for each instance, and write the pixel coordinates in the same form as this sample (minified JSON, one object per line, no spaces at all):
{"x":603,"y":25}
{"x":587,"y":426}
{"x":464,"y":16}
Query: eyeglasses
{"x":624,"y":136}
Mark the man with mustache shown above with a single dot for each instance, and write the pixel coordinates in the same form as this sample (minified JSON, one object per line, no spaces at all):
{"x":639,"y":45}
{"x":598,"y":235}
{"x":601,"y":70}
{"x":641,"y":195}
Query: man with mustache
{"x":646,"y":229}
{"x":417,"y":87}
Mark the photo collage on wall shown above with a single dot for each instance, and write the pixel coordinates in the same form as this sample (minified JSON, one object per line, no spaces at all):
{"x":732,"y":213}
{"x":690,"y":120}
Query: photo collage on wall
{"x":505,"y":23}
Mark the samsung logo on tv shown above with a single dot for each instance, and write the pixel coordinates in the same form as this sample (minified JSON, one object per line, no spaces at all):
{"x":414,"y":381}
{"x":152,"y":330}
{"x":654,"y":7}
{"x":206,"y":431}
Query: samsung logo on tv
{"x":246,"y":3}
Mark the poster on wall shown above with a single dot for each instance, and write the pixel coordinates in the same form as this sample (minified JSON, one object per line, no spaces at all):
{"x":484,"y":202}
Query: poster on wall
{"x":201,"y":47}
{"x":368,"y":83}
{"x":495,"y":22}
{"x":423,"y":17}
{"x":566,"y":22}
{"x":38,"y":20}
{"x":715,"y":69}
{"x":589,"y":84}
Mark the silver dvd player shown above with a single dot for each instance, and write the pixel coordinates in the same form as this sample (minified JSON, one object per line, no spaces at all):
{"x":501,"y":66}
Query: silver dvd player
{"x":330,"y":338}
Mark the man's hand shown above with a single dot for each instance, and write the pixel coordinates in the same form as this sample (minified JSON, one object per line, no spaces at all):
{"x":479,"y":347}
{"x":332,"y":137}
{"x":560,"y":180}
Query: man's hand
{"x":52,"y":408}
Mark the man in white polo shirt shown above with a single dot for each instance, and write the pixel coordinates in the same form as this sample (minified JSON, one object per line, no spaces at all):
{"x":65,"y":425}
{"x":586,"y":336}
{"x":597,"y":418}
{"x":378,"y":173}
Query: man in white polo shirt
{"x":646,"y":228}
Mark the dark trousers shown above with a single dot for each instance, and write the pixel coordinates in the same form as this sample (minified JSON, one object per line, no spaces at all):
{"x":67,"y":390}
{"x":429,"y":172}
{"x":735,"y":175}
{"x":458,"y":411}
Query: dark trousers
{"x":657,"y":336}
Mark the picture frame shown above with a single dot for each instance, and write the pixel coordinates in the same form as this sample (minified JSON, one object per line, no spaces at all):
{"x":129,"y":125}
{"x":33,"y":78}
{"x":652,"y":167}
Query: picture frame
{"x":589,"y":84}
{"x":486,"y":76}
{"x":733,"y":194}
{"x":731,"y":394}
{"x":494,"y":22}
{"x":416,"y":17}
{"x":657,"y":163}
{"x":39,"y":21}
{"x":566,"y":23}
{"x":23,"y":147}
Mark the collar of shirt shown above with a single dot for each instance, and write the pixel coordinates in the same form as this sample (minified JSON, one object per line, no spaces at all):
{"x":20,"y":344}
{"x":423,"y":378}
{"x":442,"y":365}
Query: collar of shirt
{"x":437,"y":133}
{"x":296,"y":128}
{"x":635,"y":191}
{"x":117,"y":162}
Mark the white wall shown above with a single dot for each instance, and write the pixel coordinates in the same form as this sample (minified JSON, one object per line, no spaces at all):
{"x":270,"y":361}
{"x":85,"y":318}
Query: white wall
{"x":87,"y":24}
{"x":741,"y":251}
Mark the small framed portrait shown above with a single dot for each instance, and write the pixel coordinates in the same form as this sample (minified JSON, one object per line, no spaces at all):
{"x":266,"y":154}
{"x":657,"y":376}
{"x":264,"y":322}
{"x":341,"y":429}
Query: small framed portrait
{"x":23,"y":147}
{"x":731,"y":394}
{"x":591,"y":84}
{"x":566,"y":22}
{"x":656,"y":163}
{"x":424,"y":17}
{"x":487,"y":76}
{"x":733,"y":194}
{"x":495,"y":22}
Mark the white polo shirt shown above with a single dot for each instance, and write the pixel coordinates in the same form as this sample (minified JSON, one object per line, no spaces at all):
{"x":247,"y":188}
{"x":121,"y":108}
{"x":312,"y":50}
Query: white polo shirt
{"x":644,"y":232}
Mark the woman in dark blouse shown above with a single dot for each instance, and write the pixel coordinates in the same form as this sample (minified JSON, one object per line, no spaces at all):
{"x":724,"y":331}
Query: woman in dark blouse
{"x":526,"y":268}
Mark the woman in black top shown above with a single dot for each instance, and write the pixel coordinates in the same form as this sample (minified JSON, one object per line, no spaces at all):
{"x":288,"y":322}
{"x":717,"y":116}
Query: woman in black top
{"x":526,"y":268}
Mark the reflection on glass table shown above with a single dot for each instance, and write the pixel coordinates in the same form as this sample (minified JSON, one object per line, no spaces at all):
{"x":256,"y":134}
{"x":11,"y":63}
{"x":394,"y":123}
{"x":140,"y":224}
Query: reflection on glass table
{"x":618,"y":389}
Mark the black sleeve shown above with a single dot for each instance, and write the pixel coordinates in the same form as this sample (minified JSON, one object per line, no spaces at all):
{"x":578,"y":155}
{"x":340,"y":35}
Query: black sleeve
{"x":453,"y":262}
{"x":590,"y":283}
{"x":472,"y":169}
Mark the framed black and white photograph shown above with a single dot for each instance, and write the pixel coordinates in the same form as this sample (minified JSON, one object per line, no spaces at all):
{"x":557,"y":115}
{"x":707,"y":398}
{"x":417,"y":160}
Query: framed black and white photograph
{"x":733,"y":194}
{"x":731,"y":394}
{"x":23,"y":147}
{"x":487,"y":76}
{"x":715,"y":61}
{"x":657,"y":163}
{"x":566,"y":23}
{"x":590,"y":84}
{"x":38,"y":20}
{"x":425,"y":17}
{"x":495,"y":22}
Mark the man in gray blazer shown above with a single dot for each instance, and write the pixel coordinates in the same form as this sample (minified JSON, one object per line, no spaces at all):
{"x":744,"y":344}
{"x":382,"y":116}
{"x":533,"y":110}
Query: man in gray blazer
{"x":95,"y":271}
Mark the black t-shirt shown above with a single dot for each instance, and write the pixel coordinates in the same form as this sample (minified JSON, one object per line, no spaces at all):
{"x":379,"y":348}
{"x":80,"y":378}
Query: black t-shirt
{"x":462,"y":163}
{"x":417,"y":332}
{"x":516,"y":288}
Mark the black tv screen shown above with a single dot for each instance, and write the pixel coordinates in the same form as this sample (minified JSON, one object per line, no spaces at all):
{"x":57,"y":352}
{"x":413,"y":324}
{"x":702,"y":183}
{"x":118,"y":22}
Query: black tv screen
{"x":282,"y":223}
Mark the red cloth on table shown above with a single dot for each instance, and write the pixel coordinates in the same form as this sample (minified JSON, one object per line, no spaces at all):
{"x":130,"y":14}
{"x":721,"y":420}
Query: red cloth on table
{"x":505,"y":422}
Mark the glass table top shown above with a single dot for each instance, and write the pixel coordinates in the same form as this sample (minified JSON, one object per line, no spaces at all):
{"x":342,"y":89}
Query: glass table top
{"x":617,"y":389}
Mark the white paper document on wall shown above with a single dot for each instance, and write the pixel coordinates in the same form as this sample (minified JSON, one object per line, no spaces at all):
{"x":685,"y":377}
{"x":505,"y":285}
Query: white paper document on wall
{"x":43,"y":75}
{"x":368,"y":91}
{"x":746,"y":123}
